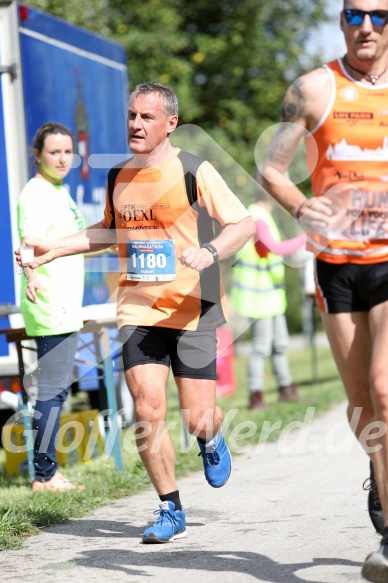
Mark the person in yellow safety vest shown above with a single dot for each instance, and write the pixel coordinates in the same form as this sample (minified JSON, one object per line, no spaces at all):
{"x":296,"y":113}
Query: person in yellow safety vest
{"x":258,"y":292}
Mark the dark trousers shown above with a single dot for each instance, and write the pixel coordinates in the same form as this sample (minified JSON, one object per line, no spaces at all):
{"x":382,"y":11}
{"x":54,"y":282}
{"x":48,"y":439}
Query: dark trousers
{"x":56,"y":356}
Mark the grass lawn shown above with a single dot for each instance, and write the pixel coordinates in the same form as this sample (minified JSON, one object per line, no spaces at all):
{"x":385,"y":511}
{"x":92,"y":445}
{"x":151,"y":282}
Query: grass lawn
{"x":23,"y":513}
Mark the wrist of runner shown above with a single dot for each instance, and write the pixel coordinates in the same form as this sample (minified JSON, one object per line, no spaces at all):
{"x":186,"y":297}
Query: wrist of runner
{"x":212,"y":250}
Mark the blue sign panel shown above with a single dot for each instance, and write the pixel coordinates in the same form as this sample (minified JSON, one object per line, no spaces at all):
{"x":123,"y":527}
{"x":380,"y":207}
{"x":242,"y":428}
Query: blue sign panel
{"x":7,"y":261}
{"x":79,"y":79}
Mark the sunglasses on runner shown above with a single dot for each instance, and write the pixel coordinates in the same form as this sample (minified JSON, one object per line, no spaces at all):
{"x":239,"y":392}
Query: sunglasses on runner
{"x":355,"y":17}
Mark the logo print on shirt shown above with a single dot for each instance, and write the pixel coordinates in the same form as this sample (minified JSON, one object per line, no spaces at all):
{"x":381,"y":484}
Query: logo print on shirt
{"x":349,"y":93}
{"x":138,"y":214}
{"x":350,"y":176}
{"x":352,"y":115}
{"x":345,"y":151}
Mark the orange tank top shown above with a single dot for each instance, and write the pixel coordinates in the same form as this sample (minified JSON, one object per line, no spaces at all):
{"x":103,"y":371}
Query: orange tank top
{"x":347,"y":155}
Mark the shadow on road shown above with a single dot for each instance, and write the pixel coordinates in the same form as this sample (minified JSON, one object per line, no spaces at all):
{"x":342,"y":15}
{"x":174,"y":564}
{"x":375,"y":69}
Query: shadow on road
{"x":175,"y":557}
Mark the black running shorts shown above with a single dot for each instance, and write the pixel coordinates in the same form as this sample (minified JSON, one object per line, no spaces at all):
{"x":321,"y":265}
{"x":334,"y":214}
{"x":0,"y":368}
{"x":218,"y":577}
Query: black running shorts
{"x":348,"y":287}
{"x":190,"y":354}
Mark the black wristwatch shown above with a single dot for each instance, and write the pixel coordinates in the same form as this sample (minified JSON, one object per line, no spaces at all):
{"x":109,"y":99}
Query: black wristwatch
{"x":211,"y":250}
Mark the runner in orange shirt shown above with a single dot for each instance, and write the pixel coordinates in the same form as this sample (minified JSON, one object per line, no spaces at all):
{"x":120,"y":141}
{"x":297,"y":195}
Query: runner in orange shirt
{"x":340,"y":110}
{"x":161,"y":209}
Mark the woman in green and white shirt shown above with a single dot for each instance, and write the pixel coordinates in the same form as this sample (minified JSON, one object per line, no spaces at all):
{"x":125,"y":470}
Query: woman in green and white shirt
{"x":51,"y":296}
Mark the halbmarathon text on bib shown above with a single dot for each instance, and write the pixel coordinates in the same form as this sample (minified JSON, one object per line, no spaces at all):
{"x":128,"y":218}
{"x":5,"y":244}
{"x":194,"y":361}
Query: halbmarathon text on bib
{"x":151,"y":260}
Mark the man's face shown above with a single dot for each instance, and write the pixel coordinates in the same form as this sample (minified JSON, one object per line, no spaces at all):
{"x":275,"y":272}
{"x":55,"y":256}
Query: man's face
{"x":148,"y":123}
{"x":366,"y":41}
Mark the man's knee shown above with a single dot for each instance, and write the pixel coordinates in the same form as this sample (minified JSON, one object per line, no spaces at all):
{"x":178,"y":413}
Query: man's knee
{"x":200,"y":421}
{"x":149,"y":409}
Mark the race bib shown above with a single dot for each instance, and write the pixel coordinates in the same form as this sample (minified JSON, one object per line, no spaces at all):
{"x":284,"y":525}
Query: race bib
{"x":151,"y":260}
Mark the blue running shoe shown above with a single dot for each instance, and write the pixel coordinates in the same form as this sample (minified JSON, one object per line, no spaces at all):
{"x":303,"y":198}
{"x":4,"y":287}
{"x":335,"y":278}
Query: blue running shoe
{"x":217,"y":461}
{"x":171,"y":524}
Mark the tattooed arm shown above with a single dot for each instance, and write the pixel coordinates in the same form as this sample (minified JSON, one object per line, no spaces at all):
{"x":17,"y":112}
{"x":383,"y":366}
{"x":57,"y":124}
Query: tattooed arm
{"x":303,"y":106}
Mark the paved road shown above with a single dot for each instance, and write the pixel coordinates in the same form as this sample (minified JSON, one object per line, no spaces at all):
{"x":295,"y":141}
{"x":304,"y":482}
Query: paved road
{"x":291,"y":512}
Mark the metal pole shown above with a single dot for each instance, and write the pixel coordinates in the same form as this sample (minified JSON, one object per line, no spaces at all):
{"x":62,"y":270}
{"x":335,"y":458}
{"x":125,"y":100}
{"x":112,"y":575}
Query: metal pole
{"x":313,"y":341}
{"x":113,"y":433}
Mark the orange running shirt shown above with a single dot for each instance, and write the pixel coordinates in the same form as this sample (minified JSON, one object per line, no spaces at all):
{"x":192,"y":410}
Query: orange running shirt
{"x":352,"y":170}
{"x":154,"y":223}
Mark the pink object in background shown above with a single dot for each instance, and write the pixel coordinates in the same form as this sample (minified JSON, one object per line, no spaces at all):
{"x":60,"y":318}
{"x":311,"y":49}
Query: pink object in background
{"x":226,"y":382}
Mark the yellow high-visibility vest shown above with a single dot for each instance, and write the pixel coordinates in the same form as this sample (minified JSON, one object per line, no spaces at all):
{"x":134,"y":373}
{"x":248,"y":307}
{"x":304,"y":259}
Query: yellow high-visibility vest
{"x":258,"y":288}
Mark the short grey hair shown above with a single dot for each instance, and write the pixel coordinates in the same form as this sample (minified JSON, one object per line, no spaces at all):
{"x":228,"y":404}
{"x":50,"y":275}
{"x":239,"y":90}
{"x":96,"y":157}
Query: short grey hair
{"x":170,"y":100}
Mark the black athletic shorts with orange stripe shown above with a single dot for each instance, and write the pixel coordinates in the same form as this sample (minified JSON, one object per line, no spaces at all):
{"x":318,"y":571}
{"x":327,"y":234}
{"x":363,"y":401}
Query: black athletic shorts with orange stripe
{"x":348,"y":287}
{"x":191,"y":354}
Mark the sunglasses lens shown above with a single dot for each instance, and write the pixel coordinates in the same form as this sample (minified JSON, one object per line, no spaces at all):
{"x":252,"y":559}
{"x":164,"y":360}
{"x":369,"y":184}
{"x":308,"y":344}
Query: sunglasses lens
{"x":356,"y":17}
{"x":378,"y":19}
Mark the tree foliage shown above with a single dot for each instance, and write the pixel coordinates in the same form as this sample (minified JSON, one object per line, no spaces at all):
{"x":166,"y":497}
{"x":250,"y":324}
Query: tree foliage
{"x":229,"y":61}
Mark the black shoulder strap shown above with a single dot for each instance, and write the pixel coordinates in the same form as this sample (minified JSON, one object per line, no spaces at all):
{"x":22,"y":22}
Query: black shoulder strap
{"x":112,"y":175}
{"x":190,"y":165}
